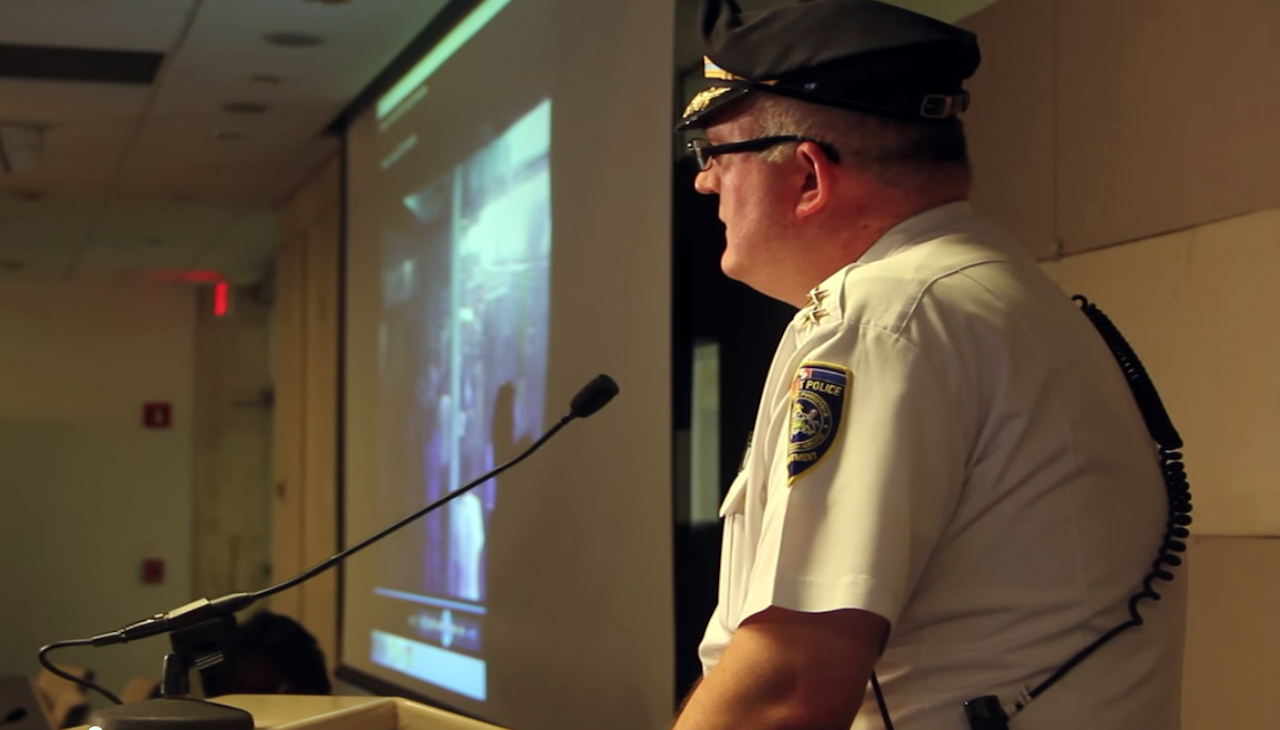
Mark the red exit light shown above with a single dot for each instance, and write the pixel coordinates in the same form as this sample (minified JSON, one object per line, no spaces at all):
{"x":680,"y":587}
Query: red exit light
{"x":220,"y":293}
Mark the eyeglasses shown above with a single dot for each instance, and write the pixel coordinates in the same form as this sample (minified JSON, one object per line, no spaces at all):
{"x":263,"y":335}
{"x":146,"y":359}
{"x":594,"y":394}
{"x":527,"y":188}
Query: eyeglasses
{"x":704,"y":152}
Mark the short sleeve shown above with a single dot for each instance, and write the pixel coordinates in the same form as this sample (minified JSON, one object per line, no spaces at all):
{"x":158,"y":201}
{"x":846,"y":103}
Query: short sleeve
{"x":866,"y":473}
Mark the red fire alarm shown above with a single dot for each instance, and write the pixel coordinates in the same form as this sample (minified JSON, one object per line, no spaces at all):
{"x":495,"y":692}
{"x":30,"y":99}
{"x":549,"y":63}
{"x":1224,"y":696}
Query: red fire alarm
{"x":157,"y":415}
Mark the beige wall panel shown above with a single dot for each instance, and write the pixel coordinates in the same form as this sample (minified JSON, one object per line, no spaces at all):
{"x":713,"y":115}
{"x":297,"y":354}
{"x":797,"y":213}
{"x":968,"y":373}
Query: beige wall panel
{"x":300,"y":211}
{"x":1010,"y":122}
{"x":288,"y":467}
{"x":1166,"y":115}
{"x":1199,"y":308}
{"x":320,"y":510}
{"x":321,"y":192}
{"x":233,"y":478}
{"x":328,"y":186}
{"x":1233,"y":638}
{"x":306,"y":508}
{"x":296,"y":214}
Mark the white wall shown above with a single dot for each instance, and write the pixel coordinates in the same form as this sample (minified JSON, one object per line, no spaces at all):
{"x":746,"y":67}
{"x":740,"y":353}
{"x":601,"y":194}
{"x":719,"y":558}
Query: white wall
{"x":1199,"y":308}
{"x":85,"y":491}
{"x":1072,"y":128}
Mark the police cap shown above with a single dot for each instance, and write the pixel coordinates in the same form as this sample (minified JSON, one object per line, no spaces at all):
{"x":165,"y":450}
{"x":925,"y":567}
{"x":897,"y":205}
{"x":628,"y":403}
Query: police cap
{"x":862,"y":55}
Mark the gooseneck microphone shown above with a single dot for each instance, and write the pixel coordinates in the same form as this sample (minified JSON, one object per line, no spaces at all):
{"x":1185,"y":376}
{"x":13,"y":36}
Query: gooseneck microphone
{"x":183,"y":713}
{"x":593,"y":396}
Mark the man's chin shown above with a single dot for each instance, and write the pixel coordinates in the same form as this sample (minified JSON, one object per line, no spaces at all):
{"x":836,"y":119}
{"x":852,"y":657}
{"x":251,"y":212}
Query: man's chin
{"x":742,"y":274}
{"x":734,"y":268}
{"x":739,"y":272}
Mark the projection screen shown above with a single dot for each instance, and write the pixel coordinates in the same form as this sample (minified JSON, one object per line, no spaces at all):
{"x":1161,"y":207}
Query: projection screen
{"x":508,"y":238}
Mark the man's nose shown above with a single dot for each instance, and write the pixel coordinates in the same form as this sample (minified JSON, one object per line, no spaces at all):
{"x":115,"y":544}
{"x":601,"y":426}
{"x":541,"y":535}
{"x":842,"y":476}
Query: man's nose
{"x":706,"y":182}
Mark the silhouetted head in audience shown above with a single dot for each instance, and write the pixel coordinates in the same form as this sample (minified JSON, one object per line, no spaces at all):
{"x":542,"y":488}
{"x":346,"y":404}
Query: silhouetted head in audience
{"x":273,"y":654}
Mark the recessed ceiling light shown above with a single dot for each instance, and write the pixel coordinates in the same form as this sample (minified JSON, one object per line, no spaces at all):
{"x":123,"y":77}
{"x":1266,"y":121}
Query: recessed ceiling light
{"x":293,"y":40}
{"x":270,"y":79}
{"x":245,"y":107}
{"x":226,"y":135}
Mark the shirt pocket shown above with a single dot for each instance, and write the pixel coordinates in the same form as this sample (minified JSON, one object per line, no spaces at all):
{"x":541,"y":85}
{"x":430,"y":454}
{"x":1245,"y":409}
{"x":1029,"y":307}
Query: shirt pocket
{"x":732,"y":569}
{"x":736,"y":499}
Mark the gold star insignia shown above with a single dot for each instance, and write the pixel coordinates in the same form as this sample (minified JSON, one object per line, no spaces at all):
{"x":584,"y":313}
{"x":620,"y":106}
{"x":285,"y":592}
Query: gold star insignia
{"x":814,"y":316}
{"x":814,"y":310}
{"x":816,"y":297}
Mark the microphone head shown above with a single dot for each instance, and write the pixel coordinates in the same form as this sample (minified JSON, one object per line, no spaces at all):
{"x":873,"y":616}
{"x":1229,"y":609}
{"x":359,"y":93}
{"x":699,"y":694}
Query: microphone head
{"x":14,"y":716}
{"x":593,"y":396}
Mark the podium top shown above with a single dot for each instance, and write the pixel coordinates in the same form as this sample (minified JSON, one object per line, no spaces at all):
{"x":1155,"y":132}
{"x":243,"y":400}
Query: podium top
{"x":312,"y":712}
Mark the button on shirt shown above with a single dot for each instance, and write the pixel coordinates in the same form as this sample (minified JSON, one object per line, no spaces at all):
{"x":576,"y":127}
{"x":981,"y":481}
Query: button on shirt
{"x":944,"y":440}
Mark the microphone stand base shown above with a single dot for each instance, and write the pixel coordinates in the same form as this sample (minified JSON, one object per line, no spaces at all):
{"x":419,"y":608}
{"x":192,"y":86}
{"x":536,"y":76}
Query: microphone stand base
{"x":171,"y":714}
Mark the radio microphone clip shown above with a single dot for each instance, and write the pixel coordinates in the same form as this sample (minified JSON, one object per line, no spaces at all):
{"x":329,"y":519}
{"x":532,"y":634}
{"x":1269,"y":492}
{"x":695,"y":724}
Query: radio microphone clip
{"x":985,"y":713}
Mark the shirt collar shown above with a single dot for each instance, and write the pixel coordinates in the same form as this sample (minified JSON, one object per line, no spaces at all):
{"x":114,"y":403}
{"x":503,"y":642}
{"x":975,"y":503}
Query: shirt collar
{"x":926,"y":226}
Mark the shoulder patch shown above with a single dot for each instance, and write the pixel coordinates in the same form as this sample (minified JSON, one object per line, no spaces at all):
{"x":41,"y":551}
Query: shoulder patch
{"x":817,"y":403}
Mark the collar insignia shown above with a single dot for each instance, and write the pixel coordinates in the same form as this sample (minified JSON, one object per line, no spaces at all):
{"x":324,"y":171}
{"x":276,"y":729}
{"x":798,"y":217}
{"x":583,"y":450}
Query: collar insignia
{"x":814,"y":309}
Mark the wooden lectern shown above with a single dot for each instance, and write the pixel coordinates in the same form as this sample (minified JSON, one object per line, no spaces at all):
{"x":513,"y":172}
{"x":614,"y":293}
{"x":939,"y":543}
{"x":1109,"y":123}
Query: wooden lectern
{"x":307,"y":712}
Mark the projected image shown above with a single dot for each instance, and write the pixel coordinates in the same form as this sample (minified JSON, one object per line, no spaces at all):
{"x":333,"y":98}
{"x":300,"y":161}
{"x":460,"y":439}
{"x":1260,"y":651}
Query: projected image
{"x":463,"y":351}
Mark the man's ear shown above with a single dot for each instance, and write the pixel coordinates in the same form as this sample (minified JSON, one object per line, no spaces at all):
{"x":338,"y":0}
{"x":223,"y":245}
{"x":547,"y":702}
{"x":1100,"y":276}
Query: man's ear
{"x":819,"y":178}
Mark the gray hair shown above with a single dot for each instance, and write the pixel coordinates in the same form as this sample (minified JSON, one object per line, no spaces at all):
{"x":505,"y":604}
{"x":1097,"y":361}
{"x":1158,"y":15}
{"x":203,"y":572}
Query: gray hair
{"x":898,"y":151}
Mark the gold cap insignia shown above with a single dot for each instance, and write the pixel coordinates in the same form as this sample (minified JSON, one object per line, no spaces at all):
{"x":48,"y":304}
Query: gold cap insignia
{"x":703,"y":99}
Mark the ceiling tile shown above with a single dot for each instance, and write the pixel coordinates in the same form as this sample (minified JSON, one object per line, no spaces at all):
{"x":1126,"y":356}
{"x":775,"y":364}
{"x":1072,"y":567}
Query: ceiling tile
{"x":173,"y":256}
{"x":75,"y":155}
{"x":140,"y":236}
{"x":179,"y":158}
{"x":227,"y":45}
{"x":160,"y":225}
{"x":62,"y":102}
{"x":134,"y":25}
{"x":52,"y":226}
{"x":137,"y":155}
{"x":299,"y":169}
{"x":185,"y":142}
{"x":46,"y":269}
{"x":246,"y":250}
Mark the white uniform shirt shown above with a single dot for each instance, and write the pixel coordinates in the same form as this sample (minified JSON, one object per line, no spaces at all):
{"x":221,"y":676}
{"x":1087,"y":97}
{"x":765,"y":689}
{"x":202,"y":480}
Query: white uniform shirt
{"x":944,"y":440}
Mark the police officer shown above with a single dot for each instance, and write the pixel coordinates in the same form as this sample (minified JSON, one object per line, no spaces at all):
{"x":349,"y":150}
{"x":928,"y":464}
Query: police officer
{"x":949,"y":482}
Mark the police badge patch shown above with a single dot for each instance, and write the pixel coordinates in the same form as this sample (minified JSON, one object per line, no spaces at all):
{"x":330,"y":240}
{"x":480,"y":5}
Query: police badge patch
{"x":818,"y":395}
